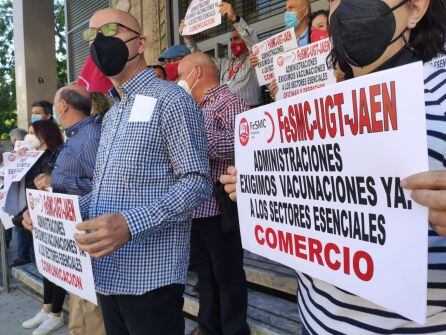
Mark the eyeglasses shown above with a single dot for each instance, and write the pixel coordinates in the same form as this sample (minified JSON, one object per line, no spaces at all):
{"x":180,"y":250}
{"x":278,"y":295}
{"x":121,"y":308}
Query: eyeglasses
{"x":108,"y":30}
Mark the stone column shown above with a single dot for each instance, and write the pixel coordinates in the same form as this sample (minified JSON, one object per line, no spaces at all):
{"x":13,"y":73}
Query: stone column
{"x":35,"y":56}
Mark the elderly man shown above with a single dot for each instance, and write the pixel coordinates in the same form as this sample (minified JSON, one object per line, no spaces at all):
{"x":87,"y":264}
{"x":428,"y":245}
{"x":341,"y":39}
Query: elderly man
{"x":235,"y":71}
{"x":152,"y":172}
{"x":170,"y":59}
{"x":216,"y":250}
{"x":73,"y":174}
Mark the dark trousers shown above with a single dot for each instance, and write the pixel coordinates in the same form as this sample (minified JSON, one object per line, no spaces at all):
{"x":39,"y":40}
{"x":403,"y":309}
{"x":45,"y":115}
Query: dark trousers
{"x":25,"y":248}
{"x":217,"y":258}
{"x":158,"y":312}
{"x":54,"y":295}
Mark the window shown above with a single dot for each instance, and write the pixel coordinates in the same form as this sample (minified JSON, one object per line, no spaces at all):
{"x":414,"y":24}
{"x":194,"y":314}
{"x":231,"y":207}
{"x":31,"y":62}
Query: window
{"x":78,"y":13}
{"x":251,"y":10}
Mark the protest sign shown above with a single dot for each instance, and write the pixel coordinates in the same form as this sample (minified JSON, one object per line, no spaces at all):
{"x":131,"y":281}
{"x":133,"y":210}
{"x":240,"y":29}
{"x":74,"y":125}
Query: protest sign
{"x":303,"y":69}
{"x":275,"y":45}
{"x":202,"y":15}
{"x":58,"y":257}
{"x":319,"y":186}
{"x":4,"y":217}
{"x":16,"y":167}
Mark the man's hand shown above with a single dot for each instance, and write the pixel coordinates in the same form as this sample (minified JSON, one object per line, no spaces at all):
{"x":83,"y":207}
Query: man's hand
{"x":228,"y":10}
{"x":42,"y":181}
{"x":182,"y":26}
{"x":273,"y":88}
{"x":22,"y":151}
{"x":110,"y":232}
{"x":429,"y":189}
{"x":26,"y":222}
{"x":230,"y":182}
{"x":253,"y":60}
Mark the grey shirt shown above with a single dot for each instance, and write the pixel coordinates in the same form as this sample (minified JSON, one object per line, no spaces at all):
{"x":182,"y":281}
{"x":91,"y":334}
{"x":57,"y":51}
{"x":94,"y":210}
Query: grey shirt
{"x":236,"y":72}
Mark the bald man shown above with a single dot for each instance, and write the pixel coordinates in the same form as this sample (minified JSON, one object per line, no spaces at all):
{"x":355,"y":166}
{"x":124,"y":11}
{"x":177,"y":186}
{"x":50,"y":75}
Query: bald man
{"x":216,"y":249}
{"x":152,"y":172}
{"x":73,"y":174}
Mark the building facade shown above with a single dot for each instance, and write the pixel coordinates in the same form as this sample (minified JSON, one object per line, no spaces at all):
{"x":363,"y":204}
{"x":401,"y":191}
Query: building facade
{"x":160,"y":20}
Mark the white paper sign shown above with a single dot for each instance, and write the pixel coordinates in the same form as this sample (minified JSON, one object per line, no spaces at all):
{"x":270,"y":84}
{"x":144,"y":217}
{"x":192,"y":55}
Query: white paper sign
{"x":4,"y":217}
{"x":202,"y":15}
{"x":303,"y":69}
{"x":142,"y":108}
{"x":16,"y":167}
{"x":275,"y":45}
{"x":318,"y":186}
{"x":58,"y":257}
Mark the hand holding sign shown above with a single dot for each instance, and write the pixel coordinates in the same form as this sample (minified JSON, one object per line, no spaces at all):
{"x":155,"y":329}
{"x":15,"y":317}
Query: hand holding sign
{"x":230,"y":181}
{"x":429,"y":189}
{"x":111,"y":232}
{"x":182,"y":26}
{"x":273,"y":88}
{"x":253,"y":60}
{"x":226,"y":9}
{"x":42,"y":181}
{"x":27,"y":222}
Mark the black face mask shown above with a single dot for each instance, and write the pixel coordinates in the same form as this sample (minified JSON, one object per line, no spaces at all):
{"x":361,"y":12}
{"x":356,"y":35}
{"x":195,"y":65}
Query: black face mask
{"x":362,"y":30}
{"x":110,"y":54}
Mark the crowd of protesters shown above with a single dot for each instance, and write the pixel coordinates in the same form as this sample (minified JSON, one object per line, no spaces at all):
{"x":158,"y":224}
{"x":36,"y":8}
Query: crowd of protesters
{"x":154,"y":193}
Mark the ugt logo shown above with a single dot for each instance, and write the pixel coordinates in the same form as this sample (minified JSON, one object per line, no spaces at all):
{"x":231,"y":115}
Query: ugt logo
{"x":243,"y":132}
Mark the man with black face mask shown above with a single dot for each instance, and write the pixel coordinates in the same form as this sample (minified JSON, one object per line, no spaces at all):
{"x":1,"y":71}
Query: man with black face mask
{"x":152,"y":172}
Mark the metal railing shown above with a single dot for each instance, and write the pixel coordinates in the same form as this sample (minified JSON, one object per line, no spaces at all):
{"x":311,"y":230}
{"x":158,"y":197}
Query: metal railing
{"x":4,"y":260}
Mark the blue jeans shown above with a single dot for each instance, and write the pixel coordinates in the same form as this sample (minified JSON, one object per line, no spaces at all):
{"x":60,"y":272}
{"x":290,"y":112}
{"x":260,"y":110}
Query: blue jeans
{"x":24,"y":246}
{"x":8,"y":236}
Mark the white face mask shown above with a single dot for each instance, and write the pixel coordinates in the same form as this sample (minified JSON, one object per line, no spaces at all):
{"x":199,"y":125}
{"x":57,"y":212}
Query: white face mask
{"x":185,"y":86}
{"x":32,"y":142}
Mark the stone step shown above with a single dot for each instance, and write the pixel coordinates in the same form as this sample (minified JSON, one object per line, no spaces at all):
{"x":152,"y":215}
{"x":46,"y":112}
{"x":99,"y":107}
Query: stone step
{"x":269,"y":274}
{"x":267,"y":314}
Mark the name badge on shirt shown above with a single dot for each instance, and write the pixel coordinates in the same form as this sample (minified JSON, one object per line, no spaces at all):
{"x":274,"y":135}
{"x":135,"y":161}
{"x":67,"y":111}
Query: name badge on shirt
{"x":142,"y":108}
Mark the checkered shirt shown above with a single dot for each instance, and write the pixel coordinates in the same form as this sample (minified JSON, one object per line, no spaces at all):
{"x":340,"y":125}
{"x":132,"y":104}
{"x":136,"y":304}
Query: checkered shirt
{"x":219,"y":107}
{"x":155,"y":174}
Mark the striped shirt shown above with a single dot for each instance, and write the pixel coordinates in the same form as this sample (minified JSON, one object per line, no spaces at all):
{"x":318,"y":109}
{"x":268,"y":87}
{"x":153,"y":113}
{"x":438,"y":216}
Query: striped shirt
{"x":74,"y":167}
{"x":325,"y":309}
{"x":236,"y":72}
{"x":219,"y":107}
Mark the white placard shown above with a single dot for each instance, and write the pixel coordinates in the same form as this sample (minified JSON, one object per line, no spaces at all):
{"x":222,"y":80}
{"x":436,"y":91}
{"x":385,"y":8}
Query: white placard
{"x":202,"y":15}
{"x":303,"y":69}
{"x":4,"y":217}
{"x":58,"y":257}
{"x":16,"y":167}
{"x":275,"y":45}
{"x":318,"y":186}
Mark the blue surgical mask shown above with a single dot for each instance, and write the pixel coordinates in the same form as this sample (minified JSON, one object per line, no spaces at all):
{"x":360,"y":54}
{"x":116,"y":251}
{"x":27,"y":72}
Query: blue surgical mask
{"x":55,"y":117}
{"x":35,"y":117}
{"x":290,"y":19}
